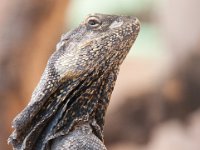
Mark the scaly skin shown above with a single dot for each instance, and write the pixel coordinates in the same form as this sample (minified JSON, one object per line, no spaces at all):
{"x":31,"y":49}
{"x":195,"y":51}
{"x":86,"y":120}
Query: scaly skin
{"x":77,"y":83}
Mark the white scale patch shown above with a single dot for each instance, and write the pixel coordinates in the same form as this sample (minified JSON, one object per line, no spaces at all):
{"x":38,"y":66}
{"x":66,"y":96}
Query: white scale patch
{"x":116,"y":24}
{"x":64,"y":62}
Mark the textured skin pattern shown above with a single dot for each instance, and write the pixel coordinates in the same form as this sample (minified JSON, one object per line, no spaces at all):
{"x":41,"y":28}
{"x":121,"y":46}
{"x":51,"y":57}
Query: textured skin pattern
{"x":81,"y":138}
{"x":77,"y":83}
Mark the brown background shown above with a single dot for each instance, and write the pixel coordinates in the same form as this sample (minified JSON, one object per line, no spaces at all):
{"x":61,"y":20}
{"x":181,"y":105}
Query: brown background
{"x":155,"y":104}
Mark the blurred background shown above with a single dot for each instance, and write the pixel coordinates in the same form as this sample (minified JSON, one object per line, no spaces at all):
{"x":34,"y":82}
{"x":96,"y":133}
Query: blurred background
{"x":156,"y":102}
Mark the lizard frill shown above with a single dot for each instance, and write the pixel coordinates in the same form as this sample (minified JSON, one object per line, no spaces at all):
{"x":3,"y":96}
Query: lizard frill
{"x":77,"y":83}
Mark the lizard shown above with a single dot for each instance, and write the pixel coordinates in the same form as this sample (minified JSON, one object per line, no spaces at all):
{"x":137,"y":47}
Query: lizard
{"x":74,"y":91}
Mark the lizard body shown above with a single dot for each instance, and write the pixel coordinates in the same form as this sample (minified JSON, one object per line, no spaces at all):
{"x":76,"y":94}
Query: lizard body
{"x":77,"y":83}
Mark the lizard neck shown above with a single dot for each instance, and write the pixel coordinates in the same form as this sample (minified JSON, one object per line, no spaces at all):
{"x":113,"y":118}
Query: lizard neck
{"x":88,"y":103}
{"x":75,"y":102}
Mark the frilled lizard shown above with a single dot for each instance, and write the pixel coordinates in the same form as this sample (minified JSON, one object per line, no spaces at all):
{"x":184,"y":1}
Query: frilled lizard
{"x":67,"y":108}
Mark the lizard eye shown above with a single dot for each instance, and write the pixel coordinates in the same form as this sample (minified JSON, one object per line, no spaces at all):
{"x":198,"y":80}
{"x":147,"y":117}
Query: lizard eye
{"x":93,"y":22}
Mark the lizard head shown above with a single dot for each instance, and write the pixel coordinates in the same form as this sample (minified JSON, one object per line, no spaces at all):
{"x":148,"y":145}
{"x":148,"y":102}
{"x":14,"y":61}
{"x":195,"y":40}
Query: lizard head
{"x":99,"y":41}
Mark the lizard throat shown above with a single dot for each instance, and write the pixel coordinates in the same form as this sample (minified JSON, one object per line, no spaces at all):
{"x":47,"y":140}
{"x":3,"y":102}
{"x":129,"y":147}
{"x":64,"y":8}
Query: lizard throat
{"x":74,"y":102}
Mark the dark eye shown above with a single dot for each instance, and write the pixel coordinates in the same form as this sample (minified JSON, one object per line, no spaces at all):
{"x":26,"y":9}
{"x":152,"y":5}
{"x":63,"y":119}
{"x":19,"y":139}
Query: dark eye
{"x":93,"y":22}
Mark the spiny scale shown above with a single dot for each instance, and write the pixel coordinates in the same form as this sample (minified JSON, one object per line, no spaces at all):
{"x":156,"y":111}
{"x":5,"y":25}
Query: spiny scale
{"x":77,"y":83}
